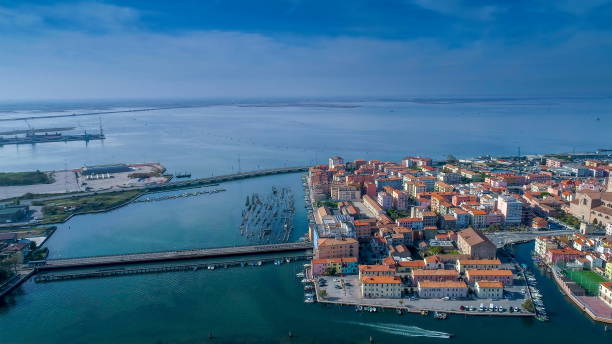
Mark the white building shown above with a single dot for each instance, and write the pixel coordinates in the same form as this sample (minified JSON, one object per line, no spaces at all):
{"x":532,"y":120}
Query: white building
{"x":336,"y":162}
{"x":387,"y":287}
{"x":511,"y":208}
{"x":482,"y":264}
{"x":489,"y":289}
{"x":385,"y":200}
{"x":433,"y":290}
{"x":605,"y":292}
{"x":543,"y":244}
{"x":609,"y":229}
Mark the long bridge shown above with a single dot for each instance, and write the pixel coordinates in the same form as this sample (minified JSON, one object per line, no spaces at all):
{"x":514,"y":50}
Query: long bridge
{"x":165,"y":256}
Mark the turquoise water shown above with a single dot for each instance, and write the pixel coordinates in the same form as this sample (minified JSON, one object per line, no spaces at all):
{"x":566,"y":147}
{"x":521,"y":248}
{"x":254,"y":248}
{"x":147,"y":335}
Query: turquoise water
{"x":263,"y":304}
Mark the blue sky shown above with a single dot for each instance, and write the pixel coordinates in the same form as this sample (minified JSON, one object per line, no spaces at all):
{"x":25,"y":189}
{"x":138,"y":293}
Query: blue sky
{"x":293,"y":48}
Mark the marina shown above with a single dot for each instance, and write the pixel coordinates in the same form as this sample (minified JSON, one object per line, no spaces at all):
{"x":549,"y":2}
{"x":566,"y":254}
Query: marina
{"x":268,"y":219}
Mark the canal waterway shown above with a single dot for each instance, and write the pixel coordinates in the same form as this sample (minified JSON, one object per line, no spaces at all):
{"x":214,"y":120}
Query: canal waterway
{"x":263,"y":304}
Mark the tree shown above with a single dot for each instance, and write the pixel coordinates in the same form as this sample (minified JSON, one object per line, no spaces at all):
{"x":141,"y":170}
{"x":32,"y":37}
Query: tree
{"x":528,"y":305}
{"x":451,"y":159}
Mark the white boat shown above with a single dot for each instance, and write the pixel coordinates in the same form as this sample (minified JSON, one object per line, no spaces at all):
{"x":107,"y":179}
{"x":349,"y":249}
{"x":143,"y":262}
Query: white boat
{"x":300,"y":275}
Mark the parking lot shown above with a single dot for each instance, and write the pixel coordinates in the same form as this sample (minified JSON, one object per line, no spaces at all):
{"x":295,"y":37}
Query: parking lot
{"x":346,"y":290}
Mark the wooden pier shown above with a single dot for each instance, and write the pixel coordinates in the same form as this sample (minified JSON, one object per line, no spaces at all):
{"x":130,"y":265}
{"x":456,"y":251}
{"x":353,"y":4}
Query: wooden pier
{"x":150,"y":257}
{"x":50,"y":277}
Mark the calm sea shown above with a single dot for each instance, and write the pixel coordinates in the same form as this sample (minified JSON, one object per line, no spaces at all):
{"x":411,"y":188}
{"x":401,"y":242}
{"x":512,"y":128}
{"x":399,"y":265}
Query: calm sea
{"x":264,"y":304}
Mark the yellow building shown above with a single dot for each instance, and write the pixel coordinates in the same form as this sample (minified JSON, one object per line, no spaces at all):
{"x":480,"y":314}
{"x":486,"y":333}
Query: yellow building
{"x":609,"y":270}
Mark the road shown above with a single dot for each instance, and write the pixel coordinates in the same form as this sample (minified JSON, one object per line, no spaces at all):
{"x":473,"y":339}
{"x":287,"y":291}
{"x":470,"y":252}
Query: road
{"x":502,"y":238}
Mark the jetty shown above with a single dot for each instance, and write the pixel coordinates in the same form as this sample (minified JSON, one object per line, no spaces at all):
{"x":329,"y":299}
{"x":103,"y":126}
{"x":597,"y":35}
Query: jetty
{"x":197,"y":182}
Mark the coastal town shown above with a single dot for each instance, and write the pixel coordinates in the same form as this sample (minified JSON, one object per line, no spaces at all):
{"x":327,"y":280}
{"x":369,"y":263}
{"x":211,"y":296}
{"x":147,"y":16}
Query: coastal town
{"x":414,"y":235}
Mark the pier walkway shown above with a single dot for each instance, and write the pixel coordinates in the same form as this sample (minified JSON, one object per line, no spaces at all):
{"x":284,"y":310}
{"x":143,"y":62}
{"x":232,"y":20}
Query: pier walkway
{"x":137,"y":258}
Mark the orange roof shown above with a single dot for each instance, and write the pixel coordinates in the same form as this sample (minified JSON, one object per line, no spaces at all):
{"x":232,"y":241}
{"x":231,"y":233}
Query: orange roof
{"x":445,"y":284}
{"x":476,"y":272}
{"x":479,"y":261}
{"x":490,"y":284}
{"x":334,"y":241}
{"x":409,"y":219}
{"x":334,"y":260}
{"x":412,"y":264}
{"x":378,"y":268}
{"x":607,"y":285}
{"x":381,"y":280}
{"x":437,"y":272}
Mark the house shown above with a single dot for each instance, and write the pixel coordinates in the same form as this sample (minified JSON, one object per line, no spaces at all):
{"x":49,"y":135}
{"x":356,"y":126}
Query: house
{"x":476,"y":244}
{"x":605,"y":292}
{"x":480,"y":264}
{"x":389,"y":287}
{"x":432,"y":289}
{"x":475,"y":275}
{"x":434,"y":275}
{"x":562,"y":254}
{"x":376,"y":270}
{"x":345,"y":266}
{"x":337,"y":248}
{"x":489,"y":289}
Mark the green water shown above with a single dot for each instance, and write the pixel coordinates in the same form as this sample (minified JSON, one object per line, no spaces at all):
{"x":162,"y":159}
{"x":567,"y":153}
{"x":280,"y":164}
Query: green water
{"x":263,"y":304}
{"x":250,"y":305}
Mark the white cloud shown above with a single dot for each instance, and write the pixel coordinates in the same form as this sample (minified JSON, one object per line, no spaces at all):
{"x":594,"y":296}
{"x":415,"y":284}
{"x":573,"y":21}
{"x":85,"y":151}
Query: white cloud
{"x":123,"y":61}
{"x":88,"y":15}
{"x":458,"y":8}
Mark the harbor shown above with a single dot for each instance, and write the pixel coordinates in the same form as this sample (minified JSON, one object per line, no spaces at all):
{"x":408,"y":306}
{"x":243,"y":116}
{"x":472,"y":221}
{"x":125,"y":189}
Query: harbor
{"x":46,"y":135}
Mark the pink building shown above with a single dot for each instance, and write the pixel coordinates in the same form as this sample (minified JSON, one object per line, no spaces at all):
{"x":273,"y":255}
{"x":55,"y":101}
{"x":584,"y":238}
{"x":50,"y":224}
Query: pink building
{"x":562,"y":254}
{"x":337,"y":248}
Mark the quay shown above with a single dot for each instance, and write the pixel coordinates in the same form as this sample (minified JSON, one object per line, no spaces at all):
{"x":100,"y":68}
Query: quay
{"x":150,"y":257}
{"x":50,"y":277}
{"x":223,"y":178}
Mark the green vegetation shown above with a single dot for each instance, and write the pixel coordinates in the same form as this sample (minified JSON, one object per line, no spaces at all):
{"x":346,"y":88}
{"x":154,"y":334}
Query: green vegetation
{"x":39,"y":254}
{"x":58,"y":210}
{"x":322,"y":293}
{"x":330,"y":271}
{"x":569,"y":219}
{"x":561,"y":157}
{"x":529,"y":306}
{"x":396,"y":214}
{"x":589,"y":280}
{"x":25,"y":178}
{"x":331,"y":204}
{"x":432,"y":251}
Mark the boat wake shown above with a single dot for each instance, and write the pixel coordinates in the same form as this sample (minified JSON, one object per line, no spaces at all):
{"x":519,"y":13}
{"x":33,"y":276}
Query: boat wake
{"x":404,"y":330}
